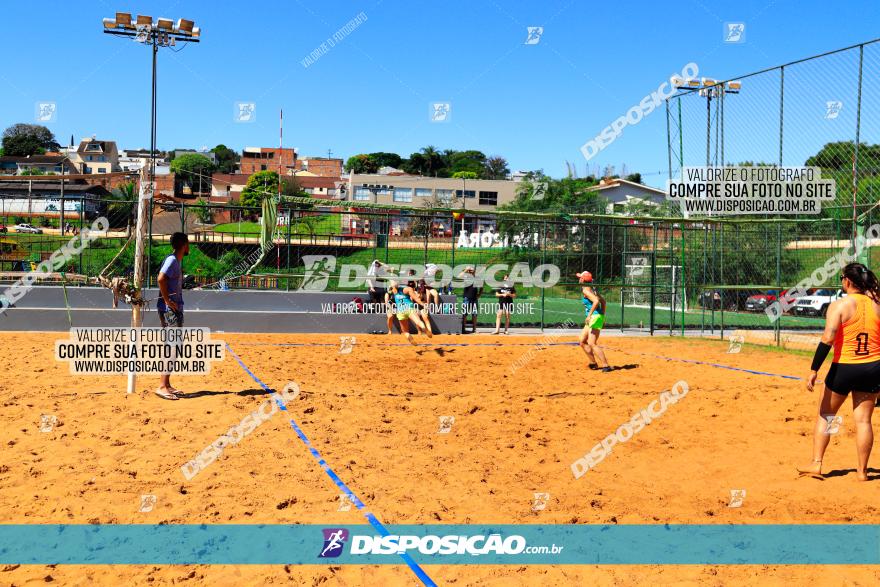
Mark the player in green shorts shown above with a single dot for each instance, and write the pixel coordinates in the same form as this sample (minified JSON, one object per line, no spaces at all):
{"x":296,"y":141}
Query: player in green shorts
{"x":404,"y":303}
{"x":594,"y":308}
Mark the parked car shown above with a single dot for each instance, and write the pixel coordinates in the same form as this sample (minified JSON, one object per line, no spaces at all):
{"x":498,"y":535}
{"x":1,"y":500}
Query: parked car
{"x":731,"y":300}
{"x":760,"y":301}
{"x":3,"y":228}
{"x":816,"y":304}
{"x":30,"y":228}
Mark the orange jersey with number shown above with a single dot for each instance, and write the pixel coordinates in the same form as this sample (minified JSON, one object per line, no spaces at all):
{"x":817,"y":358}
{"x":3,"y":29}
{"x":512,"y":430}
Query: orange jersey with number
{"x":858,"y":339}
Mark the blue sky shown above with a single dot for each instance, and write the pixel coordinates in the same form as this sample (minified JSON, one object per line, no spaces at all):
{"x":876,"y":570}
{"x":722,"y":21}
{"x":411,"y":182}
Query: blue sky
{"x":533,"y":104}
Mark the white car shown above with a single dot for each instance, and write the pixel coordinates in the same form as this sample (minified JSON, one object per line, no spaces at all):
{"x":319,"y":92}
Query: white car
{"x":816,"y":304}
{"x":24,"y":227}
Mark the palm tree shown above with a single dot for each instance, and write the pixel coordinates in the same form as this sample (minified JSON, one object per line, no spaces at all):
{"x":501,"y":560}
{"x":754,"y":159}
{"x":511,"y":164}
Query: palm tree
{"x":123,"y":203}
{"x":433,"y":159}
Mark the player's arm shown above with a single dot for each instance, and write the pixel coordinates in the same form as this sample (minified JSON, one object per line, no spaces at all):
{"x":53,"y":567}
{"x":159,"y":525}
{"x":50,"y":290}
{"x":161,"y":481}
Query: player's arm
{"x":833,"y":321}
{"x":163,"y":291}
{"x":413,"y":295}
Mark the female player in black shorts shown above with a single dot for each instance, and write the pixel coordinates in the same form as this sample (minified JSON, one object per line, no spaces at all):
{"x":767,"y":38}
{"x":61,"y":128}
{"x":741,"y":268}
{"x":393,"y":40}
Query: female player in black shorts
{"x":852,"y":329}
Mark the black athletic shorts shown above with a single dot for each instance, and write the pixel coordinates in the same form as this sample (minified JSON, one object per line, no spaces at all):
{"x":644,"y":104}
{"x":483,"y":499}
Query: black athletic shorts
{"x":843,"y":378}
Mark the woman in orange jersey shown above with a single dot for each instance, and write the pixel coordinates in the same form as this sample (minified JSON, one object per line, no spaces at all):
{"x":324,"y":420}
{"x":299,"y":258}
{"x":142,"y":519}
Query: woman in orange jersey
{"x":852,"y":326}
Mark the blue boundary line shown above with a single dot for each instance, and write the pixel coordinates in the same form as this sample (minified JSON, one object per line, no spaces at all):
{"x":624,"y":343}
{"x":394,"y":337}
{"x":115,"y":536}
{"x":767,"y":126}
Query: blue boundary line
{"x":718,"y":365}
{"x":420,"y":573}
{"x":498,"y":344}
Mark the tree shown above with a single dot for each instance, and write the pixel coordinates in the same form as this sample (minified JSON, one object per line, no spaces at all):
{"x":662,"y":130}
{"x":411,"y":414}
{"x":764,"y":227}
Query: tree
{"x":259,"y":185}
{"x":226,"y":158}
{"x":474,"y":161}
{"x":495,"y":167}
{"x":465,"y":175}
{"x":203,"y":212}
{"x":634,"y":177}
{"x":433,"y":160}
{"x":193,"y":169}
{"x":386,"y":159}
{"x":22,"y":140}
{"x":122,"y":205}
{"x":361,"y":164}
{"x":33,"y":171}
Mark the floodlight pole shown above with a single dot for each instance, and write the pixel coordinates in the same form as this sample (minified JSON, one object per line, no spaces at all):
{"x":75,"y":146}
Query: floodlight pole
{"x":145,"y":197}
{"x":157,"y":35}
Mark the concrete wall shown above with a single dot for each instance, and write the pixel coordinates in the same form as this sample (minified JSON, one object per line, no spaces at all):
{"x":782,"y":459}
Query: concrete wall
{"x":43,"y":309}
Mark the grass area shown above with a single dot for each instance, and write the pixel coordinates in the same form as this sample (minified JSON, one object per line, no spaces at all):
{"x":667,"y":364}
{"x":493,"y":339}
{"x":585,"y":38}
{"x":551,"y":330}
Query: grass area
{"x":323,"y":224}
{"x":559,"y":310}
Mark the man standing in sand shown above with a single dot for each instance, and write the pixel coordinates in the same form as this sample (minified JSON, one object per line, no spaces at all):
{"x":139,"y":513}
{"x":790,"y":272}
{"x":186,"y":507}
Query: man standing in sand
{"x":170,"y":303}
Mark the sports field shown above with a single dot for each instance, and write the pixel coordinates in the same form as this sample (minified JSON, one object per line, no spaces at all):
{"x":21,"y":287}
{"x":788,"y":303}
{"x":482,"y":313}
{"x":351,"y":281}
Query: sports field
{"x":373,"y":415}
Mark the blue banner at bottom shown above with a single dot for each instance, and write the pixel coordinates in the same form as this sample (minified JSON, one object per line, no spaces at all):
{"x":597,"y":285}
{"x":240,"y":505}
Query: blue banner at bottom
{"x":698,"y":544}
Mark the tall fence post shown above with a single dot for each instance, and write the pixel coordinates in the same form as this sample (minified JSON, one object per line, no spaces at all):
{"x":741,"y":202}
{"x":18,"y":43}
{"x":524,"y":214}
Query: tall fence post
{"x":543,"y":259}
{"x":623,"y":283}
{"x":653,"y":278}
{"x":781,"y":110}
{"x":777,"y":324}
{"x":858,"y":136}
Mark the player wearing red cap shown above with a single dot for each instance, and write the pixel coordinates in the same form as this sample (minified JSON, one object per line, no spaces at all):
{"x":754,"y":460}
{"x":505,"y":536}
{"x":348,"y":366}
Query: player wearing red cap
{"x":594,"y":308}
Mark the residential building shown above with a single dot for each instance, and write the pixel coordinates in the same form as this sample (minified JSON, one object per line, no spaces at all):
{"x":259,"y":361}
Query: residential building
{"x":414,"y":191}
{"x":49,"y":164}
{"x":320,"y":166}
{"x":94,"y":156}
{"x":137,"y":159}
{"x":622,"y":193}
{"x":254,"y":159}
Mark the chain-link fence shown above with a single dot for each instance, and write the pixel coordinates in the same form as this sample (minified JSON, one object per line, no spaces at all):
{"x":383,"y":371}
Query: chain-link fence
{"x":661,"y":275}
{"x":821,"y":111}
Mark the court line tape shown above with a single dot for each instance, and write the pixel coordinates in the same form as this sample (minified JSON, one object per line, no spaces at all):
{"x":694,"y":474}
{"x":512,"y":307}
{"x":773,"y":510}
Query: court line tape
{"x":458,"y":344}
{"x":419,"y":572}
{"x":718,"y":365}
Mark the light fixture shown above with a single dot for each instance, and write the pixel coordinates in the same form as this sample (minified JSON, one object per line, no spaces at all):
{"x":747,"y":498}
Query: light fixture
{"x":734,"y":86}
{"x":196,"y":32}
{"x":109,"y":23}
{"x":123,"y":19}
{"x":143,"y":20}
{"x":165,"y":24}
{"x":185,"y":27}
{"x":709,"y":82}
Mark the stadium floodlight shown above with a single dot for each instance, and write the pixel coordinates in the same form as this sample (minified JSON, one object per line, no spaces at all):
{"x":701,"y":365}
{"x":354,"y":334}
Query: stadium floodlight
{"x":184,"y":27}
{"x":733,"y":87}
{"x":162,"y":34}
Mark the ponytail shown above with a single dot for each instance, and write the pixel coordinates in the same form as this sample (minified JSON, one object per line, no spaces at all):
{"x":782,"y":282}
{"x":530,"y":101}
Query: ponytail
{"x":864,"y":280}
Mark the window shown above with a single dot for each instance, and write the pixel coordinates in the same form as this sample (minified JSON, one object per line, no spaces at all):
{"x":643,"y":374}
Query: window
{"x":423,"y":192}
{"x":403,"y":194}
{"x":262,"y":168}
{"x":445,"y":196}
{"x":488,"y":198}
{"x":467,"y":193}
{"x":362,"y":194}
{"x":102,"y":170}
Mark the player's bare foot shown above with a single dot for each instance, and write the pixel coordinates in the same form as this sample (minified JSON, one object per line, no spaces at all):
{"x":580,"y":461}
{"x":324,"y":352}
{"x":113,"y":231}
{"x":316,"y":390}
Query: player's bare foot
{"x":410,"y":339}
{"x":862,"y":475}
{"x":814,"y":469}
